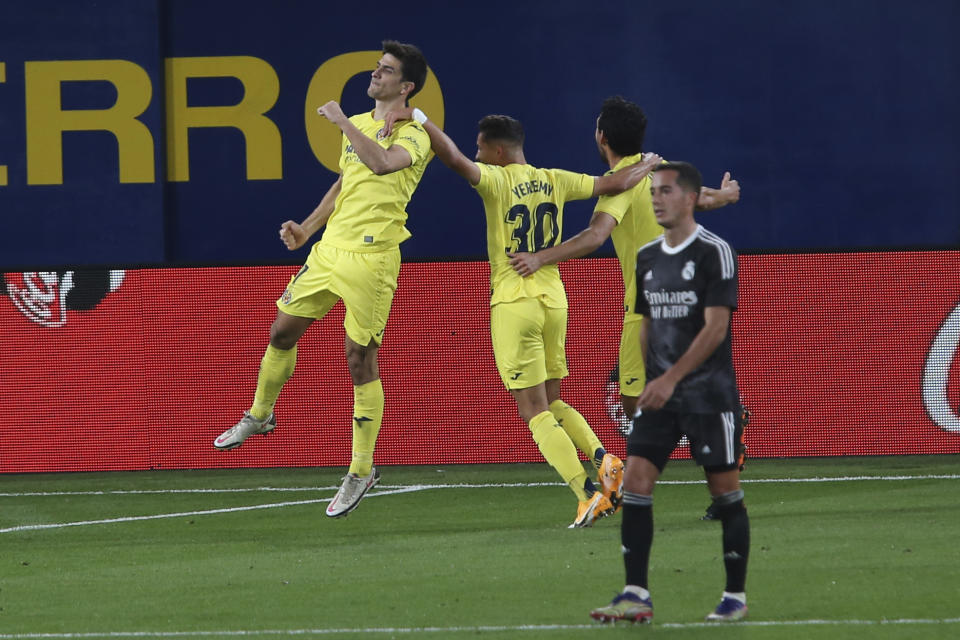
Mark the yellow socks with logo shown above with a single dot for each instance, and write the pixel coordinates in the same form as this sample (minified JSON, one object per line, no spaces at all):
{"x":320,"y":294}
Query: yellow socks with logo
{"x":576,"y":427}
{"x":556,"y":447}
{"x":275,"y":369}
{"x":367,"y":418}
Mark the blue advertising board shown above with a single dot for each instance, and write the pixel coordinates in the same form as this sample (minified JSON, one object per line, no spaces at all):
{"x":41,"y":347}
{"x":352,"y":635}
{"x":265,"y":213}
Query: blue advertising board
{"x":175,"y":131}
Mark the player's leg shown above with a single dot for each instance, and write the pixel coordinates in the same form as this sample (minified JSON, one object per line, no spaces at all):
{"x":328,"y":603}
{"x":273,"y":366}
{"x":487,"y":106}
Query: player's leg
{"x":517,"y":331}
{"x":305,"y":299}
{"x":649,"y":446}
{"x":560,"y":452}
{"x":630,"y":364}
{"x":555,"y":361}
{"x":368,"y":403}
{"x":367,"y":282}
{"x":608,"y":466}
{"x":713,"y":443}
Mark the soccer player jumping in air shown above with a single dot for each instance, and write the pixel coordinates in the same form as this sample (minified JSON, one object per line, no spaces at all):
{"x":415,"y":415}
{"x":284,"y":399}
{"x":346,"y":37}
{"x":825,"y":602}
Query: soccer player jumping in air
{"x":528,"y":316}
{"x":357,"y":260}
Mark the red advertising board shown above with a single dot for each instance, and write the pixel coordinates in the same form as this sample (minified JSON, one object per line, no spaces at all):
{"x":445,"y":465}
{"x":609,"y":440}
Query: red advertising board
{"x":837,"y":354}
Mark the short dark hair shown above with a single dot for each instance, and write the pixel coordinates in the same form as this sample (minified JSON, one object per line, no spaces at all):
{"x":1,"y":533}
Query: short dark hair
{"x":688,"y":176}
{"x":624,"y":124}
{"x":502,"y":128}
{"x":412,"y":63}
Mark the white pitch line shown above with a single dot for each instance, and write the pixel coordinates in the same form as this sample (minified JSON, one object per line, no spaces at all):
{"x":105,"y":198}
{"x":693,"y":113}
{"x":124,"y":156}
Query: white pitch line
{"x":464,"y":485}
{"x":184,"y":514}
{"x":466,"y":629}
{"x":389,"y":490}
{"x":118,"y":492}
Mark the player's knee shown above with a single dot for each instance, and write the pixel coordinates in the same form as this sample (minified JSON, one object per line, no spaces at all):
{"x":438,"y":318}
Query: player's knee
{"x":729,"y":504}
{"x":640,"y":476}
{"x":362,"y":363}
{"x":282,"y":337}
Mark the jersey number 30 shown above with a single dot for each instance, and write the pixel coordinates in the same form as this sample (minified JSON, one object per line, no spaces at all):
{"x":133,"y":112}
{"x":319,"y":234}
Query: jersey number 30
{"x":525,"y":239}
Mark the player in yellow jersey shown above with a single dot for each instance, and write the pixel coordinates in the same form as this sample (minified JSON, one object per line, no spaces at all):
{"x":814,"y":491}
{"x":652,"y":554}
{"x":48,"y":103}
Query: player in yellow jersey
{"x":627,"y":218}
{"x":356,"y":260}
{"x":528,"y":316}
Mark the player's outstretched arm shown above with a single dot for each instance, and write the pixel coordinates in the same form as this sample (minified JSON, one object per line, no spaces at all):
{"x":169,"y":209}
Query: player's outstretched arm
{"x":728,"y":193}
{"x":626,"y":178}
{"x":294,"y":235}
{"x":379,"y":160}
{"x":587,"y":241}
{"x":444,"y":148}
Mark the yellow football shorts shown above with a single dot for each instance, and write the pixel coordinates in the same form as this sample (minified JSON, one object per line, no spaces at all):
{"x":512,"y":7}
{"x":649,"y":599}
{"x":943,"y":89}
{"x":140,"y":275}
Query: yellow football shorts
{"x":632,"y":371}
{"x":528,"y":342}
{"x":365,"y":281}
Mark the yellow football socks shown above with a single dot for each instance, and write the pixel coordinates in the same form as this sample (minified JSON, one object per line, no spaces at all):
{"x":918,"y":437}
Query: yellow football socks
{"x":559,"y":451}
{"x":275,"y":369}
{"x":367,"y":418}
{"x":576,"y":427}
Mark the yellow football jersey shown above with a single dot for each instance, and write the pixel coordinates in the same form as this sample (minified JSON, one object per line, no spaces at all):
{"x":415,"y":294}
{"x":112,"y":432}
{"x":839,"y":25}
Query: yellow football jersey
{"x":370,"y":212}
{"x":636,"y":226}
{"x":524,"y":209}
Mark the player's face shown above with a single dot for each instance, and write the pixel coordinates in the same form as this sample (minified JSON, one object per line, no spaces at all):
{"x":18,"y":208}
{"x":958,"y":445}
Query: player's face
{"x":599,"y":139}
{"x":386,"y":81}
{"x":671,"y":204}
{"x":486,"y":152}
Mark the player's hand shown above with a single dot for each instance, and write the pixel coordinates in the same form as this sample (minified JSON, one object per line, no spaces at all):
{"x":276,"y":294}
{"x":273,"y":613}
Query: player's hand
{"x":633,"y":174}
{"x":655,"y":394}
{"x":293,"y":235}
{"x":651,"y":160}
{"x":404,"y":113}
{"x":526,"y":264}
{"x":332,"y":112}
{"x":730,"y":188}
{"x":728,"y":193}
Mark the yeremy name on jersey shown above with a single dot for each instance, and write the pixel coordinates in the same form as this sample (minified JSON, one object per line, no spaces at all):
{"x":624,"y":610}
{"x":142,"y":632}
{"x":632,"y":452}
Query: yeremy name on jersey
{"x":534,"y":186}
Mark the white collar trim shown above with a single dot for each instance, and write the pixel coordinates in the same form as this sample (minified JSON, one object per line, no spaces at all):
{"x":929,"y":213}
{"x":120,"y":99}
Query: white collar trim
{"x":683,"y":245}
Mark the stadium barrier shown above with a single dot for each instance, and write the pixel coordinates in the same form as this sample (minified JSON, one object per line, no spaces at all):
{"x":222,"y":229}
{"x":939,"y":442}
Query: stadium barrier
{"x":837,"y":354}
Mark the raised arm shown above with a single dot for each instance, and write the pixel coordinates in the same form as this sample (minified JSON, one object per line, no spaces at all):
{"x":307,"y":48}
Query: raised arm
{"x":295,"y":235}
{"x":626,"y":178}
{"x":728,"y":193}
{"x":444,"y":148}
{"x":587,"y":241}
{"x":379,"y":160}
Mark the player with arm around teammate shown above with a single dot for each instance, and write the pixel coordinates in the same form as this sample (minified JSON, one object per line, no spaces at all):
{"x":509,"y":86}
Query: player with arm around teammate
{"x":528,"y":316}
{"x":687,"y":291}
{"x":628,"y":219}
{"x":357,"y":260}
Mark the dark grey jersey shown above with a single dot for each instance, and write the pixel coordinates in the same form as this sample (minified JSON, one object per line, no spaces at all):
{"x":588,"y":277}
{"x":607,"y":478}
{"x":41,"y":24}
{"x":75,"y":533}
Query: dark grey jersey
{"x":674,"y":287}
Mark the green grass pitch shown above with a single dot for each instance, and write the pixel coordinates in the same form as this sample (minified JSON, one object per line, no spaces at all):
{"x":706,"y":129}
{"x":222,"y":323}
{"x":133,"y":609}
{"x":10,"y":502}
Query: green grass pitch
{"x":467,"y":551}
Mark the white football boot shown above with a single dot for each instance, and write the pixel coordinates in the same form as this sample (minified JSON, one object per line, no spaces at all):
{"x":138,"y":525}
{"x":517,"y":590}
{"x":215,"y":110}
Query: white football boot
{"x":351,"y":493}
{"x":248,"y":426}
